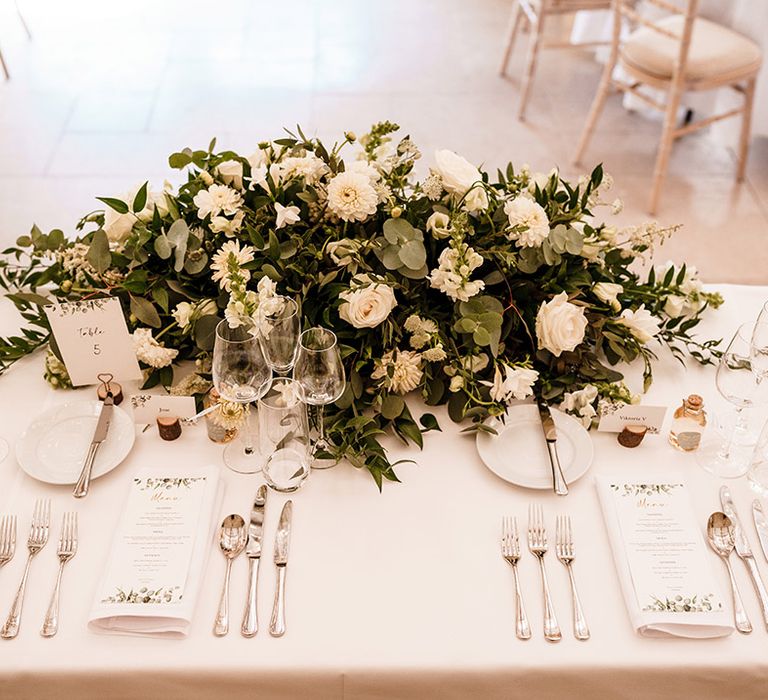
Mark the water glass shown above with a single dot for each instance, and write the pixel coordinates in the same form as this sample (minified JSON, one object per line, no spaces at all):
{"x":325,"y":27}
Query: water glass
{"x":757,"y":476}
{"x":282,"y":341}
{"x":284,"y":435}
{"x":240,"y":374}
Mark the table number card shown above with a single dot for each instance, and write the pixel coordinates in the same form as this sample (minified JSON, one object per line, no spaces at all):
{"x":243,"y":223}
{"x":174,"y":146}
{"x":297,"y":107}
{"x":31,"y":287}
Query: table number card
{"x":93,"y":338}
{"x":148,"y":407}
{"x":614,"y":417}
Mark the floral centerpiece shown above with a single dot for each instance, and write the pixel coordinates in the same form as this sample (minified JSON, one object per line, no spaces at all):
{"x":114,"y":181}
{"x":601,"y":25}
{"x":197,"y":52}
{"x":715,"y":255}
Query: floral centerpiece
{"x":471,"y":289}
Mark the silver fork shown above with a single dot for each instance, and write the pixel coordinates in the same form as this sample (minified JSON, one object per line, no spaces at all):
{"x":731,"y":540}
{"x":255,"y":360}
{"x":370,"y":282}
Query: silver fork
{"x":38,"y":536}
{"x":510,"y":550}
{"x":537,"y":543}
{"x":565,"y":553}
{"x":67,"y":549}
{"x":7,"y":538}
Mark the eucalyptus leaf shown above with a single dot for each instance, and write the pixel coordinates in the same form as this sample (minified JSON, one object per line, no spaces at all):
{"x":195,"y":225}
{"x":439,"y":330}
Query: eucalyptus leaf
{"x":98,"y":252}
{"x":145,"y":311}
{"x":205,"y":332}
{"x":392,"y":406}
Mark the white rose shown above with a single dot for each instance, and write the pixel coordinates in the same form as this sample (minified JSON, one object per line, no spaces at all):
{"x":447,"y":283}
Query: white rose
{"x":439,"y":225}
{"x":458,"y":176}
{"x":183,"y":314}
{"x":343,"y":252}
{"x":641,"y":322}
{"x":367,"y":307}
{"x":608,"y":292}
{"x":231,"y":173}
{"x":674,"y":306}
{"x":560,"y":325}
{"x":118,"y":226}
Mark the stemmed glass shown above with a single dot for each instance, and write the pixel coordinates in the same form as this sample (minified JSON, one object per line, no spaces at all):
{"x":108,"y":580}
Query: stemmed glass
{"x":320,"y":372}
{"x":281,"y":344}
{"x":759,"y":353}
{"x":741,"y":386}
{"x":240,"y":374}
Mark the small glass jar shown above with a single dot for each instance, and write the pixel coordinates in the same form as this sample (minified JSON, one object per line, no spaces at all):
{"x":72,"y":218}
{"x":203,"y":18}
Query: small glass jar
{"x":688,"y":424}
{"x":222,"y":424}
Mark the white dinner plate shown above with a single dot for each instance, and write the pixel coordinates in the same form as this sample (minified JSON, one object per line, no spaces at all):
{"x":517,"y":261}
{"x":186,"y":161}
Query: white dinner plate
{"x":518,"y":453}
{"x":54,"y":445}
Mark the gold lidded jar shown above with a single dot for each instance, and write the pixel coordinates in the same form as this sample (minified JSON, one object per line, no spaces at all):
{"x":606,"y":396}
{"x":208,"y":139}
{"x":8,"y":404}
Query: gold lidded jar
{"x":688,"y":424}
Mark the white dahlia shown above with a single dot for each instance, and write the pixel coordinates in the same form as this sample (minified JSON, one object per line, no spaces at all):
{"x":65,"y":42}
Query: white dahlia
{"x":528,"y":222}
{"x":352,"y":197}
{"x":399,"y":371}
{"x":217,"y":199}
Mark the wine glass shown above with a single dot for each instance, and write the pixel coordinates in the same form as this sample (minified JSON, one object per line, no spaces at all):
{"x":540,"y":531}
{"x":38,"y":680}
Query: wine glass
{"x":284,"y":435}
{"x":757,"y":476}
{"x":759,"y":353}
{"x":240,"y":374}
{"x":282,"y":342}
{"x":320,"y":372}
{"x":741,"y":386}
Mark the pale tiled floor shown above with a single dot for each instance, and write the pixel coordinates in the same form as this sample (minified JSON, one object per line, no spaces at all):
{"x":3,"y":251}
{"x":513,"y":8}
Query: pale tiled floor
{"x":106,"y":90}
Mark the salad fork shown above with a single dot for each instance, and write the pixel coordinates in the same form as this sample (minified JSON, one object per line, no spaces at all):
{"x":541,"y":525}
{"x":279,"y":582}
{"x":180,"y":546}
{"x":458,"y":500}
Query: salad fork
{"x":38,"y":536}
{"x":537,"y":544}
{"x":67,"y":549}
{"x":7,"y":538}
{"x":566,"y":555}
{"x":510,"y":550}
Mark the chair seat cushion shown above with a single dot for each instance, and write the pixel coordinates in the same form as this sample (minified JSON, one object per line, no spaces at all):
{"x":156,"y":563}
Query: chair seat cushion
{"x":714,"y":51}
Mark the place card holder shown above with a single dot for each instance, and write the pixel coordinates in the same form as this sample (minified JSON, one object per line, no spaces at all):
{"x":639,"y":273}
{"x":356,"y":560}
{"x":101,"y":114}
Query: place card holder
{"x":107,"y":386}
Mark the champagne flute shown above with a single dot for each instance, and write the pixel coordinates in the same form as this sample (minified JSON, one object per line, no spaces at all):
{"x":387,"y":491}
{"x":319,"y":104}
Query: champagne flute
{"x":241,"y":375}
{"x":741,"y":386}
{"x":320,"y":372}
{"x":282,"y":342}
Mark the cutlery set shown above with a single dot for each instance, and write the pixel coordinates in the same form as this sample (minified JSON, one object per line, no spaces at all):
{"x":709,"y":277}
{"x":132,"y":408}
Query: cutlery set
{"x":36,"y":540}
{"x":726,"y":534}
{"x":538,"y":546}
{"x":234,"y":539}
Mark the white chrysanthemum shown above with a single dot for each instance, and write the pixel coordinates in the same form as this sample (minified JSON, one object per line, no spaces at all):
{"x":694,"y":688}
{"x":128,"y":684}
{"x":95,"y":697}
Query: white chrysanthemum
{"x":151,"y":352}
{"x":351,"y":196}
{"x":230,"y":257}
{"x":641,"y":322}
{"x":399,"y":371}
{"x":310,"y":167}
{"x":528,"y":222}
{"x":456,"y":264}
{"x":217,"y":199}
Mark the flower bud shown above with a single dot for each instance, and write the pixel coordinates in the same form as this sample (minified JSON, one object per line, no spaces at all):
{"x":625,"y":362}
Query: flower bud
{"x":396,"y":212}
{"x":350,"y":136}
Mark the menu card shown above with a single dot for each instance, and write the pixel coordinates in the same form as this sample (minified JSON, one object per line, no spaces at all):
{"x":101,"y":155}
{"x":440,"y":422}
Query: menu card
{"x":664,"y":566}
{"x":151,"y":580}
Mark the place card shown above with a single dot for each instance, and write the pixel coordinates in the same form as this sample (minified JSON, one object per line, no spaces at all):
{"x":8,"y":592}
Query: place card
{"x":155,"y":542}
{"x":614,"y":417}
{"x":148,"y":407}
{"x":93,"y":339}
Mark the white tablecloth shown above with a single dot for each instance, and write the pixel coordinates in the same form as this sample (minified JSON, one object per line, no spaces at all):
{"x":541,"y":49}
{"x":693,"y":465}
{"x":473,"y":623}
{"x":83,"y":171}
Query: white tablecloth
{"x":401,"y":594}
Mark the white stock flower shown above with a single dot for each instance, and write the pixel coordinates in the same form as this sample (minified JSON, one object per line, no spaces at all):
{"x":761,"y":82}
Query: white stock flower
{"x":286,"y":216}
{"x":515,"y":383}
{"x":528,"y":222}
{"x":689,"y":301}
{"x":405,"y":373}
{"x":217,"y":199}
{"x":456,"y":264}
{"x":560,"y":325}
{"x":367,"y":307}
{"x":229,"y":227}
{"x":457,"y":383}
{"x":608,"y":292}
{"x":458,"y":175}
{"x":352,"y":197}
{"x":439,"y":225}
{"x":641,"y":322}
{"x":150,"y":351}
{"x":257,"y":159}
{"x":230,"y":172}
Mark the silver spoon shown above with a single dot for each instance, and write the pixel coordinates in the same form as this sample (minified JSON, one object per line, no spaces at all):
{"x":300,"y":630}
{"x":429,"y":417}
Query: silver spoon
{"x":722,"y":539}
{"x":232,"y":539}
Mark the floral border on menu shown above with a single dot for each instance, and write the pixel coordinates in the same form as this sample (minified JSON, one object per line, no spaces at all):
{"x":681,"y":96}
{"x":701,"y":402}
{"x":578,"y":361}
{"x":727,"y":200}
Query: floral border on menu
{"x":645,"y":489}
{"x":681,"y":604}
{"x":145,"y":596}
{"x":166,"y":483}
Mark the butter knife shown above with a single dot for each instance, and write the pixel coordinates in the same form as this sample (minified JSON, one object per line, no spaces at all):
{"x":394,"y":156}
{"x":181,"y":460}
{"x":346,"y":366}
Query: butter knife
{"x":744,"y":550}
{"x":253,"y":551}
{"x":282,"y":539}
{"x":761,"y":525}
{"x":550,"y":435}
{"x":99,"y":436}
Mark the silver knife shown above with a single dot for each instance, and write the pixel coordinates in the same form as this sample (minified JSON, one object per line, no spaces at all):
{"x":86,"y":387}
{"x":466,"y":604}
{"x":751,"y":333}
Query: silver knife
{"x":253,"y":551}
{"x":282,"y":539}
{"x":761,"y":525}
{"x":550,"y":435}
{"x":744,"y":550}
{"x":99,"y":436}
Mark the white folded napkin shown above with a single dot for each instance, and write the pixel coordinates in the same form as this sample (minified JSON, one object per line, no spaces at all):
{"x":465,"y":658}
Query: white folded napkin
{"x":634,"y":577}
{"x":157,"y":612}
